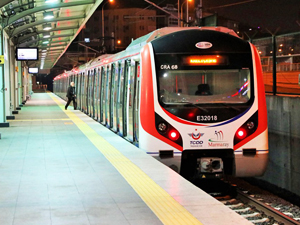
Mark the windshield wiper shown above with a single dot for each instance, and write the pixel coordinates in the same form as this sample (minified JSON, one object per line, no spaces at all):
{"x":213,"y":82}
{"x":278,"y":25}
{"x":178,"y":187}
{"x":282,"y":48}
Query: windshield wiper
{"x":231,"y":107}
{"x":190,"y":103}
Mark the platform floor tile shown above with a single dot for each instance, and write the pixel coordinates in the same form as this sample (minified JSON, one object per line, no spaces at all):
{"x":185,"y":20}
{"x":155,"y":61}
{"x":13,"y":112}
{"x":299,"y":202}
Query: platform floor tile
{"x":51,"y":173}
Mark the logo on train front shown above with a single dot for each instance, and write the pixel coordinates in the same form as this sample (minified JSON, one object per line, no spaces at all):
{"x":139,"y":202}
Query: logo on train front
{"x":196,"y":136}
{"x":218,"y":140}
{"x":204,"y":45}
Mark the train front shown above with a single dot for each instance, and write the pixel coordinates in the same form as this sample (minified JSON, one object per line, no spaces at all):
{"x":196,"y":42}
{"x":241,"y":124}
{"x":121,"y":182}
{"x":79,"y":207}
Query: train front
{"x":209,"y":104}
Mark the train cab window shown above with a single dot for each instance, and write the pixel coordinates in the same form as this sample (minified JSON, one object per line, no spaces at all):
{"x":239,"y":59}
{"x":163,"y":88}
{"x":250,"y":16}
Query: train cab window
{"x":230,"y":86}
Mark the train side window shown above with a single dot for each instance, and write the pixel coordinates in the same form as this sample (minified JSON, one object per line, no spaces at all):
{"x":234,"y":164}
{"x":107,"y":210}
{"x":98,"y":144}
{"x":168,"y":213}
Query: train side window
{"x":112,"y":95}
{"x":78,"y":93}
{"x":126,"y":97}
{"x":120,"y":115}
{"x":99,"y":94}
{"x":102,"y":97}
{"x":136,"y":103}
{"x":130,"y":101}
{"x":107,"y":96}
{"x":115,"y":88}
{"x":95,"y":106}
{"x":92,"y":105}
{"x":88,"y":92}
{"x":84,"y":92}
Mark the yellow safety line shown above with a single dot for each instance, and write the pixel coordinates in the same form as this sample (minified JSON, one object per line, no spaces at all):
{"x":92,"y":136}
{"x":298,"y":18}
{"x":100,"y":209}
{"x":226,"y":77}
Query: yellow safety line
{"x":166,"y":208}
{"x":37,"y":120}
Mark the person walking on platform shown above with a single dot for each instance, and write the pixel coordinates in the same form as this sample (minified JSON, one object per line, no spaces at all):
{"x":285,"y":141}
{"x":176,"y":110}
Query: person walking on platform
{"x":71,"y":95}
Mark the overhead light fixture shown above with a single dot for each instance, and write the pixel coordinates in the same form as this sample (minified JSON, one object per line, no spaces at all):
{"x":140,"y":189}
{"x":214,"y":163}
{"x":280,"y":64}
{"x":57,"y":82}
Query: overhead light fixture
{"x":47,"y":26}
{"x":44,"y":50}
{"x":46,"y":35}
{"x":48,"y":15}
{"x":45,"y":42}
{"x":50,"y":1}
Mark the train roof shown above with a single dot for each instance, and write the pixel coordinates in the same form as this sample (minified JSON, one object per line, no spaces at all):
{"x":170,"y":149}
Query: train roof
{"x":167,"y":30}
{"x":138,"y":43}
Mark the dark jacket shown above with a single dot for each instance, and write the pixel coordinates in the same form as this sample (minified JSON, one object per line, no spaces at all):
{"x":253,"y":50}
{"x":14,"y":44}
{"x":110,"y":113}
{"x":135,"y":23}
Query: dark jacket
{"x":71,"y":92}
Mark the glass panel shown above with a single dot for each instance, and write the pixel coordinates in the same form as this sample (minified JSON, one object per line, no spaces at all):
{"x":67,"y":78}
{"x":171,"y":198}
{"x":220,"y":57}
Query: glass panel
{"x":112,"y":95}
{"x":84,"y":92}
{"x":130,"y":102}
{"x":115,"y":99}
{"x":79,"y":91}
{"x":91,"y":99}
{"x":96,"y":87}
{"x":107,"y":96}
{"x":136,"y":103}
{"x":120,"y":99}
{"x":205,"y":86}
{"x":126,"y":97}
{"x":103,"y":92}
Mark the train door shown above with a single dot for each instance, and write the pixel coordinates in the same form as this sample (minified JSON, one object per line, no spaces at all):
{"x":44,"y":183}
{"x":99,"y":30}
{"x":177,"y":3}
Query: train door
{"x":79,"y":102}
{"x":96,"y":87}
{"x":89,"y":90}
{"x":130,"y":100}
{"x":113,"y":97}
{"x":126,"y":98}
{"x":84,"y":96}
{"x":99,"y":94}
{"x":120,"y":98}
{"x":102,"y":95}
{"x":78,"y":77}
{"x":107,"y":96}
{"x":136,"y":102}
{"x":91,"y":93}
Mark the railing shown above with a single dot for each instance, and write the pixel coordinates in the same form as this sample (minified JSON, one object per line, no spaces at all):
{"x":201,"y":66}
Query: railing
{"x":283,"y":67}
{"x":287,"y":78}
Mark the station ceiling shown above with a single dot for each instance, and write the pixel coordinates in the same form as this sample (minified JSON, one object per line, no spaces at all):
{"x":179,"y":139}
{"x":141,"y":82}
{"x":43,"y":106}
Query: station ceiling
{"x":26,"y":24}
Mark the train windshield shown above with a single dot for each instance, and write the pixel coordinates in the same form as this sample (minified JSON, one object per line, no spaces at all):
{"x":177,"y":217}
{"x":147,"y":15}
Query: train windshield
{"x":223,"y":86}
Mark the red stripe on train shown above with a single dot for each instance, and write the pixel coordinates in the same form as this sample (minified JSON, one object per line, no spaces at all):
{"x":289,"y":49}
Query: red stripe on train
{"x":147,"y":113}
{"x":262,"y":109}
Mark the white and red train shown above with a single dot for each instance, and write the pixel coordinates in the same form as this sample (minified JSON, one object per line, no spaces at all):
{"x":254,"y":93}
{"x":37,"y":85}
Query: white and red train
{"x":192,"y":97}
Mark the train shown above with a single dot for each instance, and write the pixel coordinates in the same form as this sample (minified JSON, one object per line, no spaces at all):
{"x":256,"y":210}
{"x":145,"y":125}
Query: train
{"x":191,"y":97}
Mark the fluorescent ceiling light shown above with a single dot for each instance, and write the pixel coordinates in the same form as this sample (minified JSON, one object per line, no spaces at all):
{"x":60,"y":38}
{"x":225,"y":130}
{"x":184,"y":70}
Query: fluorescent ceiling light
{"x":51,"y":1}
{"x":48,"y":15}
{"x":46,"y":35}
{"x":47,"y":26}
{"x":45,"y":42}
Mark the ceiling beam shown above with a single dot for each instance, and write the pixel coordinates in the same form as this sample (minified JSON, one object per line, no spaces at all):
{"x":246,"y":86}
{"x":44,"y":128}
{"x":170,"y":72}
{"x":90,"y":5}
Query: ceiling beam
{"x":27,"y":26}
{"x":90,"y":13}
{"x":4,"y":2}
{"x":52,"y":30}
{"x":14,"y":18}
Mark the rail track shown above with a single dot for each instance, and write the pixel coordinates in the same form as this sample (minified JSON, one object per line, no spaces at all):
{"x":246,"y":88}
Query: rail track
{"x":258,"y":212}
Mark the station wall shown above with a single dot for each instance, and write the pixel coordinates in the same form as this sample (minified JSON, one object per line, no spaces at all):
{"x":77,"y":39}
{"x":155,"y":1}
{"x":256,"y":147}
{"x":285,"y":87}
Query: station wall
{"x":284,"y":143}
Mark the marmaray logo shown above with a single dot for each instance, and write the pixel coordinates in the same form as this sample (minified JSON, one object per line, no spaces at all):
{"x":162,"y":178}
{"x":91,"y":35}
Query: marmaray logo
{"x":218,"y":140}
{"x":196,"y":135}
{"x":219,"y":135}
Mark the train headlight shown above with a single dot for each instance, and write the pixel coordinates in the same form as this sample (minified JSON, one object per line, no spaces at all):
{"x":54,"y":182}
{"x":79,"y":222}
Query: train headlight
{"x":173,"y":135}
{"x":241,"y":133}
{"x":162,"y":127}
{"x":246,"y":129}
{"x":250,"y":125}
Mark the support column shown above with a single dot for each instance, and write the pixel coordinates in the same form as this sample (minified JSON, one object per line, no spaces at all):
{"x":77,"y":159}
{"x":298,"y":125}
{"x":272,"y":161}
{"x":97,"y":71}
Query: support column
{"x":20,"y":84}
{"x":12,"y":80}
{"x":3,"y":122}
{"x":274,"y":65}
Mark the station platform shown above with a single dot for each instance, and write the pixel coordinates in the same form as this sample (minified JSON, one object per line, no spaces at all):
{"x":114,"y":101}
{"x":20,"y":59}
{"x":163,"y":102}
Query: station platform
{"x":61,"y":167}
